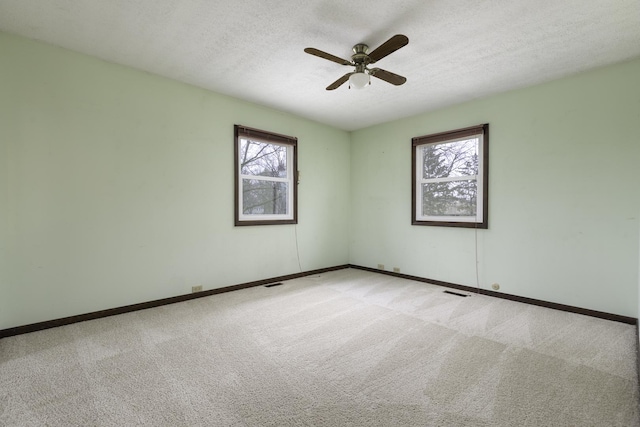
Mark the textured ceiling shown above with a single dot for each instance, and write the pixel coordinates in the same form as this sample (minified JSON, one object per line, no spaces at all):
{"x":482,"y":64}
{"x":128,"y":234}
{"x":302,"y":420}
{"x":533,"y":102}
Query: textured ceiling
{"x":253,"y":49}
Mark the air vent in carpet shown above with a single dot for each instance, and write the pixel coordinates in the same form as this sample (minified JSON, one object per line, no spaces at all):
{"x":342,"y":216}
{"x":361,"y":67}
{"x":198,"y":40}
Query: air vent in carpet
{"x":455,"y":293}
{"x":271,"y":285}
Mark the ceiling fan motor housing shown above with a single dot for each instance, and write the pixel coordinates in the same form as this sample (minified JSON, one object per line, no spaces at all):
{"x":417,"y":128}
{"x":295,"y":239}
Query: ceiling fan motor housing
{"x":360,"y":57}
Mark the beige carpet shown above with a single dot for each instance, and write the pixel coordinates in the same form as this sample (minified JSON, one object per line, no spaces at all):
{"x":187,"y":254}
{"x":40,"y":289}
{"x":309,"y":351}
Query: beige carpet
{"x":346,"y":348}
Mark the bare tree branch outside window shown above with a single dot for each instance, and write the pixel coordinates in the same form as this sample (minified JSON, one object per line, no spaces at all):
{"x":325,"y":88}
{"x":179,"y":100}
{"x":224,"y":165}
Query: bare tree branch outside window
{"x":263,"y":160}
{"x":450,"y":198}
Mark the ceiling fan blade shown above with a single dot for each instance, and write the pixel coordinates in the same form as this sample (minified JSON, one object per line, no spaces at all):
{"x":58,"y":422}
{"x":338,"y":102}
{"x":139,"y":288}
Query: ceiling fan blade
{"x":325,"y":55}
{"x":388,"y":47}
{"x":339,"y":82}
{"x":387,"y":76}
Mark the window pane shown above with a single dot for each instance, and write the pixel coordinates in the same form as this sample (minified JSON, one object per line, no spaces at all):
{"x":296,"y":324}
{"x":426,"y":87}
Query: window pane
{"x":263,"y":159}
{"x":264,"y":197}
{"x":454,"y":198}
{"x":450,"y":159}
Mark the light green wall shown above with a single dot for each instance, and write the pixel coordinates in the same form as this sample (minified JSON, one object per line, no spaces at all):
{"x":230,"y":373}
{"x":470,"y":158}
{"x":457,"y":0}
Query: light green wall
{"x":4,"y":195}
{"x":563,"y":189}
{"x":117,"y":188}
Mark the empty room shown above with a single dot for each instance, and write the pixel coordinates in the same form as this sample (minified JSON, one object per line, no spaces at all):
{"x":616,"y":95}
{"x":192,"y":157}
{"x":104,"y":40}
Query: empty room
{"x":320,"y":213}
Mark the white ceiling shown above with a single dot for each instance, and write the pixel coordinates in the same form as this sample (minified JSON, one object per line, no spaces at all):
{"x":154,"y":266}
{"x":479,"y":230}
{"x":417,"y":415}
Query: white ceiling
{"x":253,"y":49}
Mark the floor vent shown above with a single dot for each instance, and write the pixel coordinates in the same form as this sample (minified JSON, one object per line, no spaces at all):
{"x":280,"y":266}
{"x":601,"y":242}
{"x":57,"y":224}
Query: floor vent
{"x":456,"y":293}
{"x":271,"y":285}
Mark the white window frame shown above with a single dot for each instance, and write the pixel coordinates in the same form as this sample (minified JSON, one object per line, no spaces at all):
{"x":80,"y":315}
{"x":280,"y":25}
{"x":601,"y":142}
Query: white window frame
{"x":290,"y":217}
{"x":479,"y":220}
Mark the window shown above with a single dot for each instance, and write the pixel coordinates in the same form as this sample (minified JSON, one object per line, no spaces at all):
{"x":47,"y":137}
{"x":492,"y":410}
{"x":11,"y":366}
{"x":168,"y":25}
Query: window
{"x":450,"y":178}
{"x":265,"y":177}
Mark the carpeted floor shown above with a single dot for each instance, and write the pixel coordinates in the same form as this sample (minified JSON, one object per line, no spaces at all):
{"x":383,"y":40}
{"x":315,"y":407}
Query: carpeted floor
{"x":346,"y":348}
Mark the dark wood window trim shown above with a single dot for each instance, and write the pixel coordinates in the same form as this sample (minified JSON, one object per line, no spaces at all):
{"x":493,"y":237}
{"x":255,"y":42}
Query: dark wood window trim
{"x":442,"y":137}
{"x":268,"y":137}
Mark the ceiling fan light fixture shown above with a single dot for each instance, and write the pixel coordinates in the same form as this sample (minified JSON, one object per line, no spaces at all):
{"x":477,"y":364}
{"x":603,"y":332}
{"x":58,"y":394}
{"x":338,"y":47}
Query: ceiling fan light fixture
{"x":359,"y":80}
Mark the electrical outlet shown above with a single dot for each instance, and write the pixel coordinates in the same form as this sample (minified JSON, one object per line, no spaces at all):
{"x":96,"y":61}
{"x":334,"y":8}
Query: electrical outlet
{"x":195,"y":289}
{"x":495,"y":286}
{"x":380,"y":266}
{"x":396,"y":269}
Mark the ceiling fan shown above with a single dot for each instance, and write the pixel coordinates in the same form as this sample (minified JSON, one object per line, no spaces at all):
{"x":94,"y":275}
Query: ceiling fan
{"x":361,"y":59}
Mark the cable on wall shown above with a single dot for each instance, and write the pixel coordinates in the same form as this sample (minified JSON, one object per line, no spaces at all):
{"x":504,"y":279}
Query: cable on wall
{"x":477,"y":261}
{"x":295,"y":229}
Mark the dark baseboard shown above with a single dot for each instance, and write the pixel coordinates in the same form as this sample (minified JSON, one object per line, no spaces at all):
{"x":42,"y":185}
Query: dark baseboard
{"x":156,"y":303}
{"x":556,"y":306}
